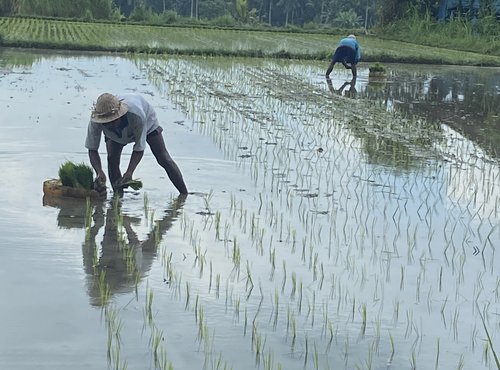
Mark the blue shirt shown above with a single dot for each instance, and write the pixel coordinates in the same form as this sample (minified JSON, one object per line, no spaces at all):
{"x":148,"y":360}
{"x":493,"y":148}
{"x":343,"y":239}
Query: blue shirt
{"x":353,"y":44}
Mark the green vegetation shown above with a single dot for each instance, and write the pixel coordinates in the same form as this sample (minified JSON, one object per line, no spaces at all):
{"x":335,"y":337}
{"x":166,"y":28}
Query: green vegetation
{"x":283,"y":28}
{"x":134,"y":184}
{"x":115,"y":37}
{"x":482,"y":36}
{"x":377,"y":68}
{"x":76,"y":175}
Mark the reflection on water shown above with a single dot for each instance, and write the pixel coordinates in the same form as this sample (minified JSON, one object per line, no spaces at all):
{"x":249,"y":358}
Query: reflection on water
{"x":466,"y":99}
{"x":402,"y":145}
{"x":343,"y":90}
{"x":119,"y":262}
{"x":332,"y":244}
{"x":11,"y":58}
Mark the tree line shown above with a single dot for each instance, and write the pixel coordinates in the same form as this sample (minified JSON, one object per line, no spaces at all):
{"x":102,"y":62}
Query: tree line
{"x":283,"y":13}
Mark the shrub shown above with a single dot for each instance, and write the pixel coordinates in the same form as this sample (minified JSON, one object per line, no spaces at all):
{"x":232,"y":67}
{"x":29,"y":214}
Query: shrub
{"x":116,"y":15}
{"x":310,"y":26}
{"x":141,"y":14}
{"x":348,"y":19}
{"x":292,"y":28}
{"x":170,"y":17}
{"x":224,"y":21}
{"x":88,"y":16}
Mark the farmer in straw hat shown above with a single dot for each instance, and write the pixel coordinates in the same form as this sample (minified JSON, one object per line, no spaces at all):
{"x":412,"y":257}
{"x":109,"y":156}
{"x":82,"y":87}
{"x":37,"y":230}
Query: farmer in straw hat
{"x":348,"y":53}
{"x":123,"y":120}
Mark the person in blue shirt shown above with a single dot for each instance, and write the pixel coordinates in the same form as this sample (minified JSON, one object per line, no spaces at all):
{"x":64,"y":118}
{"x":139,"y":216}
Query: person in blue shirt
{"x":348,"y":53}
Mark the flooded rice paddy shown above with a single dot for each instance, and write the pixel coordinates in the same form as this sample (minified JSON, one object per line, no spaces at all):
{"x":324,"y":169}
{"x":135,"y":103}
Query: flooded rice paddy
{"x":325,"y":230}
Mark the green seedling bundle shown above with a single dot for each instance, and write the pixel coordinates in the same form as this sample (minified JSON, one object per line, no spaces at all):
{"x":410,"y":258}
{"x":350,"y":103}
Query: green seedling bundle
{"x":79,"y":176}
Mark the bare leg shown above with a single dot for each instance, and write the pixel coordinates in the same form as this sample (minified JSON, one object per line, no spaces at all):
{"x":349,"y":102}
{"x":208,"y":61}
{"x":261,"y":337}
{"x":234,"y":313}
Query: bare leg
{"x":354,"y":71}
{"x":330,"y":68}
{"x":114,"y":154}
{"x":330,"y":85}
{"x":157,"y":145}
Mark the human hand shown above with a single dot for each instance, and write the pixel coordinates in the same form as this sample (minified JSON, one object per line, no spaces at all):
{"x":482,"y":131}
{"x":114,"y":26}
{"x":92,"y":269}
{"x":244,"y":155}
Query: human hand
{"x":123,"y":181}
{"x":100,"y":183}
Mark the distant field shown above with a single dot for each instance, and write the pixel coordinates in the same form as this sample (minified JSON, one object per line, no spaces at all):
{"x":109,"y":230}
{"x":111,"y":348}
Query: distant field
{"x":54,"y":34}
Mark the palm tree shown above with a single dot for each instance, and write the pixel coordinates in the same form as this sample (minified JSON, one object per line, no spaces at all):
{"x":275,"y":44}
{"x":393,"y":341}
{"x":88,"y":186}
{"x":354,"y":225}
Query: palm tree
{"x":288,"y":6}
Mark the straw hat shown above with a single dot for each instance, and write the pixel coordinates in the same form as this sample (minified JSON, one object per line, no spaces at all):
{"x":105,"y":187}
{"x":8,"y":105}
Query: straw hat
{"x":108,"y":108}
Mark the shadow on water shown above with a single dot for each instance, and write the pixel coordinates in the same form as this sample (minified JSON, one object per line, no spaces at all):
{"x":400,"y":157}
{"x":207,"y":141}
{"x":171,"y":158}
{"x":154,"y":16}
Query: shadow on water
{"x":121,"y":260}
{"x":466,"y":99}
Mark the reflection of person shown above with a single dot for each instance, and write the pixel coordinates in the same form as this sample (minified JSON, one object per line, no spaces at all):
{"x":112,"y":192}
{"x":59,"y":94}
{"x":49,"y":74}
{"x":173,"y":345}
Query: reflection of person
{"x":123,"y":120}
{"x":351,"y":93}
{"x":72,"y":211}
{"x":117,"y":265}
{"x":348,"y":53}
{"x":123,"y":259}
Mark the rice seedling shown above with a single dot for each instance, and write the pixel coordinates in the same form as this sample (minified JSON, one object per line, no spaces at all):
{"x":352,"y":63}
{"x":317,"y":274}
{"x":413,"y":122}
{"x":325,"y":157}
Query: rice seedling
{"x":363,"y":316}
{"x":187,"y":295}
{"x":76,"y":175}
{"x":163,"y":362}
{"x":217,"y":286}
{"x":148,"y":310}
{"x":104,"y":289}
{"x":276,"y":308}
{"x":88,"y":218}
{"x":490,"y":341}
{"x":413,"y":361}
{"x":157,"y":338}
{"x":258,"y":343}
{"x":306,"y":355}
{"x":236,"y":256}
{"x":378,"y":214}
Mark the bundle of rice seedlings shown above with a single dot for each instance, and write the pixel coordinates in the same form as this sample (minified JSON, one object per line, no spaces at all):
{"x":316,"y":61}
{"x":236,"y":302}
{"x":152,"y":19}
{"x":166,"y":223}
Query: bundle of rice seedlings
{"x":134,"y":184}
{"x":377,"y":68}
{"x":76,"y":175}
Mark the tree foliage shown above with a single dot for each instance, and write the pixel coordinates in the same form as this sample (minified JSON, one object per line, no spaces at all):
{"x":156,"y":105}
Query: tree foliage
{"x":350,"y":14}
{"x":242,"y":10}
{"x":8,"y":7}
{"x":100,"y":9}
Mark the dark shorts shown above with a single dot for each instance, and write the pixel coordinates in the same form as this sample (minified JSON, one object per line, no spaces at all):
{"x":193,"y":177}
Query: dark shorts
{"x":344,"y":53}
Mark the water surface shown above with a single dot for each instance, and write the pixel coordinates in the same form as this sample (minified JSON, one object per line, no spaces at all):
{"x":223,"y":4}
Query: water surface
{"x":324,"y":231}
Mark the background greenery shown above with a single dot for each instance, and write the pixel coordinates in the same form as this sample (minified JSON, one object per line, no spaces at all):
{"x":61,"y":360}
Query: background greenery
{"x":411,"y":21}
{"x":73,"y":35}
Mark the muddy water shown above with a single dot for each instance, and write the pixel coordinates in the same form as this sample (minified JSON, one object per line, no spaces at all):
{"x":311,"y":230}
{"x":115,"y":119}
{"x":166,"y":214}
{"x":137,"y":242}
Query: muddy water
{"x":322,"y":232}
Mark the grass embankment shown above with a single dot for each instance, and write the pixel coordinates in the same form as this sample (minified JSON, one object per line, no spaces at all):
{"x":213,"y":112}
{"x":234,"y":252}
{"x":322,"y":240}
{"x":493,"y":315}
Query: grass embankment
{"x":481,"y":36}
{"x":115,"y":37}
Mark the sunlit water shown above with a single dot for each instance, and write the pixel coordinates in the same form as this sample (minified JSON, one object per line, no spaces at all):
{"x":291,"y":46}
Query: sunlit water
{"x":323,"y":231}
